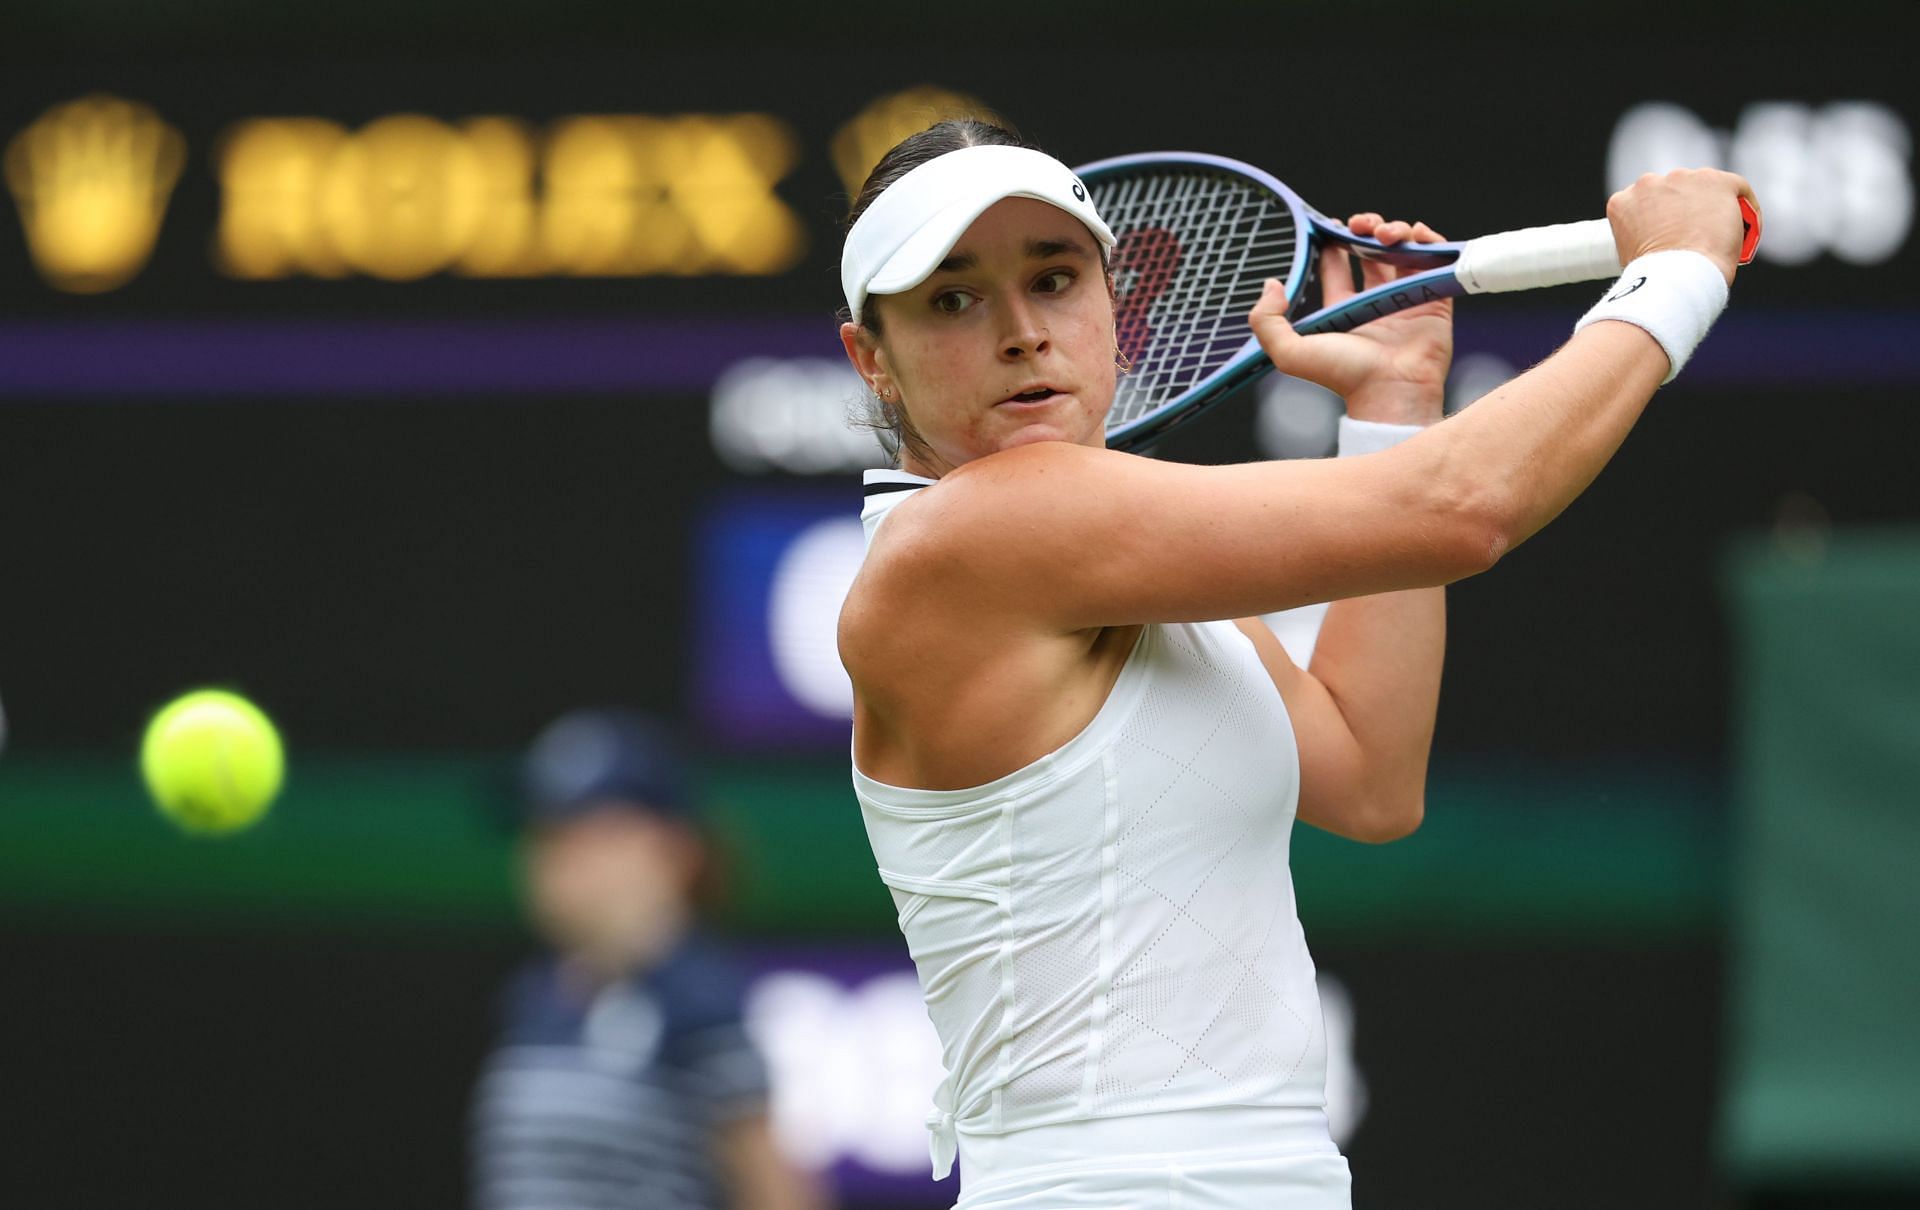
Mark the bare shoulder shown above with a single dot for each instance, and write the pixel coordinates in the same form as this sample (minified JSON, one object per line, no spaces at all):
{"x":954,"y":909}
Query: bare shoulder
{"x":1008,"y":514}
{"x":948,"y":561}
{"x":873,"y":619}
{"x":1009,"y":485}
{"x":896,"y":597}
{"x":1029,"y":466}
{"x":951,"y":530}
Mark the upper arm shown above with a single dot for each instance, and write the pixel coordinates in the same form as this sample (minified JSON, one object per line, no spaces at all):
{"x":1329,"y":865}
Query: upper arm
{"x":1338,"y":792}
{"x":1078,"y":538}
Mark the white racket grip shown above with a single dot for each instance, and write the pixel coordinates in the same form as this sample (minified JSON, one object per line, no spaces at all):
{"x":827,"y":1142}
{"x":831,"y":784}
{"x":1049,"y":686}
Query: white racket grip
{"x":1538,"y":256}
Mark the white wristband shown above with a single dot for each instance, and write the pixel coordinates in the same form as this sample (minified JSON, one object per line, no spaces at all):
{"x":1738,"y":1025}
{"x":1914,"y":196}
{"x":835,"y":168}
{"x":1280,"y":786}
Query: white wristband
{"x":1674,"y":296}
{"x":1370,"y":436}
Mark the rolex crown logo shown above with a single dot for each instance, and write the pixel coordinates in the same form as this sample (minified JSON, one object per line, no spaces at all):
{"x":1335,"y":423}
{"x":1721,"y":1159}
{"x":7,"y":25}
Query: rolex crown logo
{"x":92,"y":178}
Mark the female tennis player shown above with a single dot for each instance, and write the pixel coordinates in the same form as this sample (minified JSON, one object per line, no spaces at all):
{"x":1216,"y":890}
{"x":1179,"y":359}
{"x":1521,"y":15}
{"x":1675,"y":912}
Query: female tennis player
{"x":1077,"y":751}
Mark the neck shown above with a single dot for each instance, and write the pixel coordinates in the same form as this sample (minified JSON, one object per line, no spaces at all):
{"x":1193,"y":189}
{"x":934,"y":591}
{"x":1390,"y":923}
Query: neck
{"x":926,"y":465}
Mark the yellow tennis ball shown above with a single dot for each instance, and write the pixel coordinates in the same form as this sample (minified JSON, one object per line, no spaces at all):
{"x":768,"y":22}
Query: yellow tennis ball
{"x":212,"y":761}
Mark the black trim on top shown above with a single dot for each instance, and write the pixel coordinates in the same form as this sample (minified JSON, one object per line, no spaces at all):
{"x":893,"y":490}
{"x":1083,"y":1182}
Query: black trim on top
{"x":881,"y":489}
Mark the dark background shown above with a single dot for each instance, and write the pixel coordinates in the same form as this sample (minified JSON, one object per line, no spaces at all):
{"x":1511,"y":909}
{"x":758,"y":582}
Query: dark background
{"x":1527,"y":1104}
{"x":421,"y":574}
{"x":451,"y":573}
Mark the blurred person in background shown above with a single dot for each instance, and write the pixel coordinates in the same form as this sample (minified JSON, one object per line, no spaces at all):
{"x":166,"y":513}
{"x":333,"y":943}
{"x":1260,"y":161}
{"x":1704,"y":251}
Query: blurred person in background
{"x":623,"y":1075}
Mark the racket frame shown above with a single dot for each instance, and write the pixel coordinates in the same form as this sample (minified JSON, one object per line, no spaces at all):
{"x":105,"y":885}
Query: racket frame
{"x":1435,"y":280}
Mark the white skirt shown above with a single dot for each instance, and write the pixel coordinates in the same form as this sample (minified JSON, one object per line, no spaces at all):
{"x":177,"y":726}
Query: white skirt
{"x":1217,"y":1159}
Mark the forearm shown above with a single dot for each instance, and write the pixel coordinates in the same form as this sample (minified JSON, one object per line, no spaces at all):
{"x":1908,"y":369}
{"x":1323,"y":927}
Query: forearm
{"x":1535,"y":444}
{"x":1525,"y":450}
{"x":1530,"y":449}
{"x":1379,"y":658}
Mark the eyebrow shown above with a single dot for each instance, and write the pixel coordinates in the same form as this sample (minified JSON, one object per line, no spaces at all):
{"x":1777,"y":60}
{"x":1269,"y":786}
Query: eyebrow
{"x":1037,"y":249}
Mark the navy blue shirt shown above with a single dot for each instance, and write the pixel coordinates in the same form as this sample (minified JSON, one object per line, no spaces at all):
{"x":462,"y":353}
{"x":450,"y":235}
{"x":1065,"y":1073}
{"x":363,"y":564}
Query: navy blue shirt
{"x":610,"y":1098}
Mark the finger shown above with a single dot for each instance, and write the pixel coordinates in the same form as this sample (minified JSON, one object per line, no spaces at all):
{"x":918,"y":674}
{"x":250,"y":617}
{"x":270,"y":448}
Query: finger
{"x":1336,"y":275}
{"x":1379,"y":272}
{"x":1290,"y":352}
{"x":1364,"y":222}
{"x":1269,"y":315}
{"x":1741,"y":186}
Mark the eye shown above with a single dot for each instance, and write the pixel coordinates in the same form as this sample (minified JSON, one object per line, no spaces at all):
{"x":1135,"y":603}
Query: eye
{"x":952,"y":302}
{"x":1055,"y":281}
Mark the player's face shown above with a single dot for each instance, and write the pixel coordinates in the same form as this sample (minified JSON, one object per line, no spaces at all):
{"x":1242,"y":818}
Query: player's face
{"x":1011,"y":341}
{"x":611,"y":887}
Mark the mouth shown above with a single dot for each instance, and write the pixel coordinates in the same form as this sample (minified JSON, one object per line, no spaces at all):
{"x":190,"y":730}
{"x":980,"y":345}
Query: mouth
{"x":1039,"y":394}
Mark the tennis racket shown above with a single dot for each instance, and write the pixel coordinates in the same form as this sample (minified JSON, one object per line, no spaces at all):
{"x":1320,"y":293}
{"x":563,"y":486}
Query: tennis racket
{"x":1197,"y":236}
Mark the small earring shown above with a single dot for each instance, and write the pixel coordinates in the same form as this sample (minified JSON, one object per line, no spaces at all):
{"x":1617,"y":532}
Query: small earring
{"x":1122,"y":361}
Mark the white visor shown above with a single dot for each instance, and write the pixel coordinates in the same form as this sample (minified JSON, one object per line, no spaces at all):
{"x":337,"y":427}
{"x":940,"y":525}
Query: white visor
{"x":911,"y":227}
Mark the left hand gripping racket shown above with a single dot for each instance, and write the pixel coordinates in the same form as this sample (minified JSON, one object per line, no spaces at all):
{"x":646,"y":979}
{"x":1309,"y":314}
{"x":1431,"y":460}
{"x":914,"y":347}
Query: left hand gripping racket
{"x":1197,"y":236}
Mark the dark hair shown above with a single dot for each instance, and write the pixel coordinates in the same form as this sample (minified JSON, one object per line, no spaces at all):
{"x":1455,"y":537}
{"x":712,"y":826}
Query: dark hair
{"x":889,"y":423}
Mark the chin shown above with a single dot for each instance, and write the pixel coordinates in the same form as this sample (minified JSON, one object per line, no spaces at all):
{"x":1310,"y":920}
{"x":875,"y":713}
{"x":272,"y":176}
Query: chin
{"x":1038,"y":434}
{"x":1034,"y":434}
{"x":1076,"y":430}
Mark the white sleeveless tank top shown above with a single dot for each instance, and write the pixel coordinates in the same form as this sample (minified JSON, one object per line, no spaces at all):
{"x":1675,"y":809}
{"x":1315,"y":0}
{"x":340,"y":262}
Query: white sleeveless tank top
{"x":1111,"y":930}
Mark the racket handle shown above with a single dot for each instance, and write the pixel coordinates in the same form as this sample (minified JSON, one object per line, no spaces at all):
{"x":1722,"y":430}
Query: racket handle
{"x":1560,"y":255}
{"x":1534,"y":257}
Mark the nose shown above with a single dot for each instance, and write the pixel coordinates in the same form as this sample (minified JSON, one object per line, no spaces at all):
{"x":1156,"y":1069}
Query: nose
{"x":1023,"y":336}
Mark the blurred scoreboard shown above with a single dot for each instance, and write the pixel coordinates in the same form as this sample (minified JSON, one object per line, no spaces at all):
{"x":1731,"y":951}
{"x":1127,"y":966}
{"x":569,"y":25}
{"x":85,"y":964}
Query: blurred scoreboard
{"x":716,"y":179}
{"x":773,"y":567}
{"x":408,"y":195}
{"x":582,"y":308}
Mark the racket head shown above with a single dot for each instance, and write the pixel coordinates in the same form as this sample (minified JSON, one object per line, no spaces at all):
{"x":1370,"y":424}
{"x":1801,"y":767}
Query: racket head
{"x":1196,"y":238}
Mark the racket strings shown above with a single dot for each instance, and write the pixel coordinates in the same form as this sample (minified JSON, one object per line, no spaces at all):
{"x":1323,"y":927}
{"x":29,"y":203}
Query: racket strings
{"x":1194,"y":249}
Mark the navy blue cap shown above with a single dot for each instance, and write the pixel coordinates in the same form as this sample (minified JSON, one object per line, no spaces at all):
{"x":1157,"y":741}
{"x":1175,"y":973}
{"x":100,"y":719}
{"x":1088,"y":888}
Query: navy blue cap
{"x":596,"y":758}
